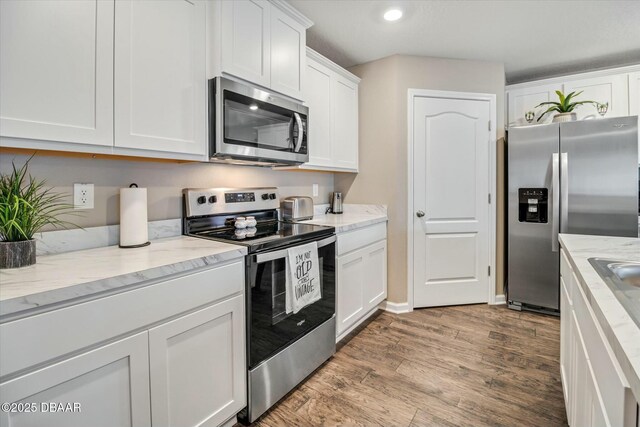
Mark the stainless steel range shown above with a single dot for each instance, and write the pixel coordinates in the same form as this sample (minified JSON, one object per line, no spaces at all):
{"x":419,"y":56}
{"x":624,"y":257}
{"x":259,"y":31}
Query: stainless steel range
{"x":282,"y":349}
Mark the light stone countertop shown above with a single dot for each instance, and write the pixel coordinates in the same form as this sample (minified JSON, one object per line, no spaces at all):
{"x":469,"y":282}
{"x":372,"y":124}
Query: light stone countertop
{"x":71,"y":277}
{"x":354,"y":217}
{"x":621,"y":331}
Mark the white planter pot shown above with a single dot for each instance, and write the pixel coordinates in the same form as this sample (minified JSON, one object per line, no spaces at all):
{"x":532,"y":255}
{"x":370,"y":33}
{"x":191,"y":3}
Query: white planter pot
{"x":565,"y":117}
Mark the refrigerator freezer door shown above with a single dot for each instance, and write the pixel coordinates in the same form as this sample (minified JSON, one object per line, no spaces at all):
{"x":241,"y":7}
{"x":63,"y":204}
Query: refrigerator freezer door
{"x":600,"y":174}
{"x":533,"y":163}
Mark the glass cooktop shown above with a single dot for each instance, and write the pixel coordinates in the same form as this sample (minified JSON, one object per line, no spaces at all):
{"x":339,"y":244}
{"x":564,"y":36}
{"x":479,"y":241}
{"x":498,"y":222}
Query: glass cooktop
{"x":268,"y":235}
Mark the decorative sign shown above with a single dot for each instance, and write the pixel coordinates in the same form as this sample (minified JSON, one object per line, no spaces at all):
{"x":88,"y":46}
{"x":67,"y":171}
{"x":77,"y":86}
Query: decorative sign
{"x":303,"y":277}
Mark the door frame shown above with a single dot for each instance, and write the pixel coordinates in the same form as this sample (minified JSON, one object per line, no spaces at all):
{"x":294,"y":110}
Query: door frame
{"x":427,"y":93}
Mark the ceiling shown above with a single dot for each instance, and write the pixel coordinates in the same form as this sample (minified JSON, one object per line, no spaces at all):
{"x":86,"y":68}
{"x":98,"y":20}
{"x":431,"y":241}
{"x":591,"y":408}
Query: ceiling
{"x":534,"y":39}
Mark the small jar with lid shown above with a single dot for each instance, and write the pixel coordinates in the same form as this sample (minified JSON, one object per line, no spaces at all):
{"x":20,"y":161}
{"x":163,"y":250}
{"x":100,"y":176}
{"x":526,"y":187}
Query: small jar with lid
{"x":251,"y":221}
{"x":240,"y":222}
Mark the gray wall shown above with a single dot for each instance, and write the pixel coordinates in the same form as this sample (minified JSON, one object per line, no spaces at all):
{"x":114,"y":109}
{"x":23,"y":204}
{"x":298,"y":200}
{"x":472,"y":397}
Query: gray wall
{"x":383,"y":140}
{"x":164,"y":182}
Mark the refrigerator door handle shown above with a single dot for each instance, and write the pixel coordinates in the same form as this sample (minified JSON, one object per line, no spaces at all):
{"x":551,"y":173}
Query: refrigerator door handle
{"x":555,"y":215}
{"x":564,"y":192}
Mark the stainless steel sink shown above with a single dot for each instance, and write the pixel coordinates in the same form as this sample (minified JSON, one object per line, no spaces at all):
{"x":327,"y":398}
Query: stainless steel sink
{"x":628,"y":272}
{"x":623,"y":278}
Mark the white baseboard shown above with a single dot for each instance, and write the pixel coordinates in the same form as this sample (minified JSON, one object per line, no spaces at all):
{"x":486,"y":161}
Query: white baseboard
{"x":500,"y":299}
{"x":395,"y":307}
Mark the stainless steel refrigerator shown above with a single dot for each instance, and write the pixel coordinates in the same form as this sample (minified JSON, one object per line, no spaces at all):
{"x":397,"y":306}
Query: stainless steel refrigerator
{"x":576,"y":177}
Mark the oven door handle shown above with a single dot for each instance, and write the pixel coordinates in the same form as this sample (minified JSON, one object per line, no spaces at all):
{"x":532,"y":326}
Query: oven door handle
{"x":270,"y":256}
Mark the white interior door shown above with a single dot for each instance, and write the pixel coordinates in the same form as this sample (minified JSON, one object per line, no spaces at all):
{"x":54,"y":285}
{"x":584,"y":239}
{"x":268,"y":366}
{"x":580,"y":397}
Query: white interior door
{"x":451,"y":247}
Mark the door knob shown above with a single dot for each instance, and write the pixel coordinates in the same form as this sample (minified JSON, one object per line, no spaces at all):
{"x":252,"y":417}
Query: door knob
{"x":420,"y":214}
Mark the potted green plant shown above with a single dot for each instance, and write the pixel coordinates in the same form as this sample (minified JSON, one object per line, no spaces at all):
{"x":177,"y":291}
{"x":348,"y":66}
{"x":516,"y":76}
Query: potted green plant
{"x":565,"y":107}
{"x":26,"y":206}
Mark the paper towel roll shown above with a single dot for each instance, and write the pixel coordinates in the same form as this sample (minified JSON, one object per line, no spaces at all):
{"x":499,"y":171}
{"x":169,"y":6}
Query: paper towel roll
{"x":133,"y":217}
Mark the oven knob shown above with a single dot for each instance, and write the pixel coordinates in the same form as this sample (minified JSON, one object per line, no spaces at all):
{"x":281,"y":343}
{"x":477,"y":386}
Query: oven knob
{"x":265,"y":196}
{"x":201,"y":200}
{"x":213,"y":199}
{"x":272,"y":196}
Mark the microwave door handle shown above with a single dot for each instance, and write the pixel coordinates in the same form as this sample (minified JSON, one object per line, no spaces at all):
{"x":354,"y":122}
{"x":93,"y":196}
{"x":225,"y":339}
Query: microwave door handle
{"x":270,"y":256}
{"x":300,"y":132}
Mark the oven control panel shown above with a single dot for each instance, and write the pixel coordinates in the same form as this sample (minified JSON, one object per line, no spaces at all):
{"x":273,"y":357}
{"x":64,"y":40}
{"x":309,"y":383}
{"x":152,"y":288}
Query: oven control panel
{"x":210,"y":201}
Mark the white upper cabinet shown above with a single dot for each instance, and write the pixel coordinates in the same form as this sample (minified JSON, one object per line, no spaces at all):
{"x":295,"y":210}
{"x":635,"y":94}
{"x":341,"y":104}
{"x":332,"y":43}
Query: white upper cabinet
{"x":634,"y":94}
{"x":606,"y":89}
{"x":521,"y":101}
{"x":288,"y":57}
{"x":345,"y":123}
{"x":56,"y":71}
{"x":618,"y":87}
{"x":245,"y":39}
{"x":318,"y":99}
{"x":160,"y":76}
{"x":260,"y":41}
{"x":331,"y":93}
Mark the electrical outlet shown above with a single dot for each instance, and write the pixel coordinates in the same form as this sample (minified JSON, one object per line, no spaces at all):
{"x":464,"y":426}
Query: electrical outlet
{"x":315,"y":190}
{"x":82,"y":196}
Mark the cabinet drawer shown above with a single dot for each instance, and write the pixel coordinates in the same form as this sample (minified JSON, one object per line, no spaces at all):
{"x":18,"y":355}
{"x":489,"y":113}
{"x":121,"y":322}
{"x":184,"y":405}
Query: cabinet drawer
{"x":566,"y":272}
{"x":352,"y":240}
{"x":610,"y":381}
{"x":27,"y":342}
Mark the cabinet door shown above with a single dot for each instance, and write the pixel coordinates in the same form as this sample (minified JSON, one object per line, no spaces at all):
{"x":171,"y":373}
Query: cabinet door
{"x":344,"y":106}
{"x":110,"y":384}
{"x":375,"y":274}
{"x":634,"y":94}
{"x":317,"y":96}
{"x":288,"y":56}
{"x":581,"y":398}
{"x":611,"y":89}
{"x":520,"y":101}
{"x":56,"y":71}
{"x":350,"y":278}
{"x":198,"y":366}
{"x":565,"y":346}
{"x":245,"y":44}
{"x":160,"y":76}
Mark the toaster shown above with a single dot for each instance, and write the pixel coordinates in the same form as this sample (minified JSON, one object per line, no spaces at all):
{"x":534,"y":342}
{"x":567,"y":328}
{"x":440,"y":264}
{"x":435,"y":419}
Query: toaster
{"x":296,"y":208}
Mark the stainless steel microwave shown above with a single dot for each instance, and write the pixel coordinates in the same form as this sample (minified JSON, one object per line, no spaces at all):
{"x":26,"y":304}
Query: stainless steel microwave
{"x":251,"y":126}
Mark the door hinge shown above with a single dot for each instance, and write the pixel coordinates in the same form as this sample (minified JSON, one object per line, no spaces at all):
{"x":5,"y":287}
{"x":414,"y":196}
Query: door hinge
{"x":489,"y":270}
{"x":489,"y":124}
{"x":489,"y":198}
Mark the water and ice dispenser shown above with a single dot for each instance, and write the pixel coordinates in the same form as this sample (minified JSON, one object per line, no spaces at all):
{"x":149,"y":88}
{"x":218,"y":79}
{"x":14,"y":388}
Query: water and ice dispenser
{"x":533,"y":205}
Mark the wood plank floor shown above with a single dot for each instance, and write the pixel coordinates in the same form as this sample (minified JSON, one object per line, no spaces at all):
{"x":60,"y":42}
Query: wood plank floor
{"x":474,"y":365}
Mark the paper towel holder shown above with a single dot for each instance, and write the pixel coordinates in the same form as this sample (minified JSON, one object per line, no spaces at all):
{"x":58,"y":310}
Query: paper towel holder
{"x":142,"y":245}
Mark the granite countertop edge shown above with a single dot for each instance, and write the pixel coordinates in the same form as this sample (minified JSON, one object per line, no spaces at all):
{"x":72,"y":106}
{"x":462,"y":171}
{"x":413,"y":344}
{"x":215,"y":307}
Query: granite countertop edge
{"x":32,"y":304}
{"x":622,"y":333}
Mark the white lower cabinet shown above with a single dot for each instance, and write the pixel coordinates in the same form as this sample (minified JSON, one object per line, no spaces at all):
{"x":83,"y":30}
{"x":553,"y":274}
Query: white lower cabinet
{"x":361,"y":280}
{"x":184,"y":363}
{"x":197,"y":366}
{"x":595,"y":389}
{"x":109,"y":385}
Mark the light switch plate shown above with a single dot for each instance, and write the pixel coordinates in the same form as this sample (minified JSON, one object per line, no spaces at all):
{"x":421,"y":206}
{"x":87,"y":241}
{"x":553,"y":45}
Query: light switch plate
{"x":82,"y":196}
{"x":315,"y":190}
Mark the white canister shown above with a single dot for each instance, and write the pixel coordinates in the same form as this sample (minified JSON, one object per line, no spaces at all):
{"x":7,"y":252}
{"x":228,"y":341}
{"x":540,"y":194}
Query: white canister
{"x":240,"y":222}
{"x":251,"y":221}
{"x":134,"y":231}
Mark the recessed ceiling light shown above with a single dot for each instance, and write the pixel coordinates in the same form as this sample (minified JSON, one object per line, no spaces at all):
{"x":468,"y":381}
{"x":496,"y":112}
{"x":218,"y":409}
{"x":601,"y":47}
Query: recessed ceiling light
{"x":392,"y":14}
{"x":253,"y":107}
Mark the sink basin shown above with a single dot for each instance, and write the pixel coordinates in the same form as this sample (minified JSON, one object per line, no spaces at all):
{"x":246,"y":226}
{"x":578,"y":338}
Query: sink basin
{"x":623,"y":278}
{"x":628,"y":272}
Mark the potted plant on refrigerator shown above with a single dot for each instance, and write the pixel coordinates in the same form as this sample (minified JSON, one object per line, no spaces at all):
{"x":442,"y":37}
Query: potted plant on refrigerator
{"x":26,"y":206}
{"x":565,"y":107}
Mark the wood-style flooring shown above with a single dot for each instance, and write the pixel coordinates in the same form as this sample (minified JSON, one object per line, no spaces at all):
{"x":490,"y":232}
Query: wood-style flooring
{"x":474,"y":365}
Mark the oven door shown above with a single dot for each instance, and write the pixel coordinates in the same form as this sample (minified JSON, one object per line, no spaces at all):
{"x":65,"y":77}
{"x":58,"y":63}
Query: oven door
{"x":253,"y":124}
{"x":270,"y":328}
